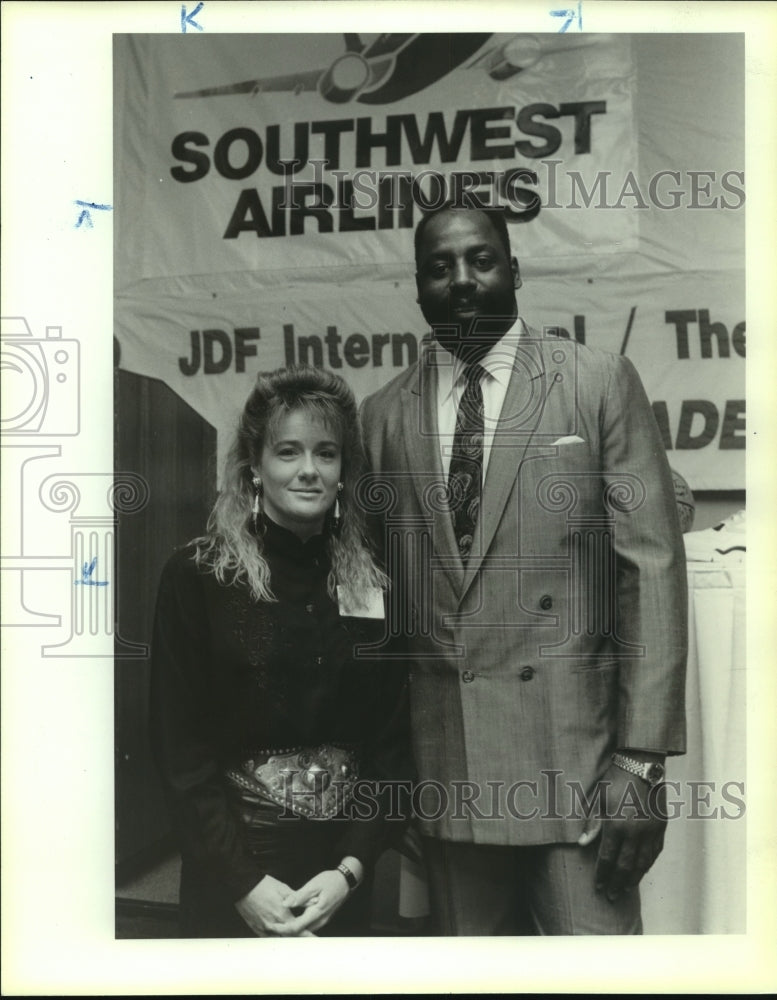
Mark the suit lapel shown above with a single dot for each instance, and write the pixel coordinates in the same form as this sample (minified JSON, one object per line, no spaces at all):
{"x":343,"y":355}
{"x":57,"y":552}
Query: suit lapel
{"x":422,"y":451}
{"x":530,"y":403}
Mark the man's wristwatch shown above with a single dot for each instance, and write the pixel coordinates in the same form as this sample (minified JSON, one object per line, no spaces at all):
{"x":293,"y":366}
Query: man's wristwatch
{"x":652,"y":772}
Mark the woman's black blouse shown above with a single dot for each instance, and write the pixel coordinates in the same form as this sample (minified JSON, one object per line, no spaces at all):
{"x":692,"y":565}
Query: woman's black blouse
{"x":232,"y":677}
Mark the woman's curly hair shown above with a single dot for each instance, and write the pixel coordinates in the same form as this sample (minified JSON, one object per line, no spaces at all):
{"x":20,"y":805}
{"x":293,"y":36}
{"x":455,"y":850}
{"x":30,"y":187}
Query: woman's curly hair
{"x":230,"y":548}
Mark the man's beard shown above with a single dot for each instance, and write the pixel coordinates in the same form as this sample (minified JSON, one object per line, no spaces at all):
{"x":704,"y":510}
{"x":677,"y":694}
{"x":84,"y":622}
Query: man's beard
{"x":471,"y":339}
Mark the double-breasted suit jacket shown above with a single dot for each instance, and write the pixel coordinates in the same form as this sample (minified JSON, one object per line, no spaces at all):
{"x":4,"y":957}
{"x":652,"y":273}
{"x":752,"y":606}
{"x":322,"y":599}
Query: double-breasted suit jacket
{"x":563,"y":637}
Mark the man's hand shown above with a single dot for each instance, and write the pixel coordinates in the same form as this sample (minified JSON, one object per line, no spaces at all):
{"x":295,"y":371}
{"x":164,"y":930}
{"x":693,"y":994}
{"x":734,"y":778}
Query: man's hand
{"x":265,"y":908}
{"x":632,"y":830}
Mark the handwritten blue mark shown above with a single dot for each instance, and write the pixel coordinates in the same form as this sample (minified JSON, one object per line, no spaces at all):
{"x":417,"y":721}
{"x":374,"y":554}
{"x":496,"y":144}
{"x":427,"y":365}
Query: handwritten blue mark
{"x":85,"y":218}
{"x":189,"y":18}
{"x":86,"y":576}
{"x":570,"y":14}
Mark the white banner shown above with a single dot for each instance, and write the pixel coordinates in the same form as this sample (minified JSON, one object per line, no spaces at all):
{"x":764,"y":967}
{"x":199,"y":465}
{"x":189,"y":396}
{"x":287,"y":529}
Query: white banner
{"x":268,"y":186}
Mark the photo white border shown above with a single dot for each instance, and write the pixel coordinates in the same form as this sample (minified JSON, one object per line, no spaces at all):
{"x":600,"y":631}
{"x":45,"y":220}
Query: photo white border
{"x":57,"y":760}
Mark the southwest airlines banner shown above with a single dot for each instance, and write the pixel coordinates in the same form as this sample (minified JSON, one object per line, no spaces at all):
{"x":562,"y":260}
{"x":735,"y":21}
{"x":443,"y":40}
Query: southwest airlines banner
{"x":267,"y":188}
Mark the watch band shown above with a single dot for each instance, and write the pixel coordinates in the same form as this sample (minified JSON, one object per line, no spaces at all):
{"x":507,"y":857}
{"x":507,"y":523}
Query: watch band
{"x":348,"y":875}
{"x":650,"y":771}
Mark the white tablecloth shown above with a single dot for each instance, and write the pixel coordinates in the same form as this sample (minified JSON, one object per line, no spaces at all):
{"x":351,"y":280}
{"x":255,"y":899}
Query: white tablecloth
{"x":698,"y":883}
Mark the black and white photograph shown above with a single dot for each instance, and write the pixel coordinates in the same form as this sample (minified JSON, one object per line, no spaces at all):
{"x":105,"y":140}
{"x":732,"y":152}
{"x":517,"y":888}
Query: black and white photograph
{"x":392,"y":503}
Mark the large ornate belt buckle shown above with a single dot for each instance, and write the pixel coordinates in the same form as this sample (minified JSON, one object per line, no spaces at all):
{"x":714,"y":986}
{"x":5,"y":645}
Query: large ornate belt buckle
{"x":316,"y":783}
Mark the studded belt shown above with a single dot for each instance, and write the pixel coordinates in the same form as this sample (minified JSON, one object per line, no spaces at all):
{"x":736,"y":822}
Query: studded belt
{"x":312,"y":782}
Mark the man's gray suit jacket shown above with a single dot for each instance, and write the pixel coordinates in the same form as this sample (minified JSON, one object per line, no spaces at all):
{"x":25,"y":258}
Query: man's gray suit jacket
{"x":564,"y":636}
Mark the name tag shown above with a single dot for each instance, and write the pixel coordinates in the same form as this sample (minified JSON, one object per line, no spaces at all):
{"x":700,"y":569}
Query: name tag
{"x":368,"y":603}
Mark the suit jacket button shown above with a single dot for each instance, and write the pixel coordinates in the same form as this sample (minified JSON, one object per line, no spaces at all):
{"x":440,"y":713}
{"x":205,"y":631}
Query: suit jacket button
{"x":546,"y":602}
{"x":468,"y":677}
{"x":527,"y":673}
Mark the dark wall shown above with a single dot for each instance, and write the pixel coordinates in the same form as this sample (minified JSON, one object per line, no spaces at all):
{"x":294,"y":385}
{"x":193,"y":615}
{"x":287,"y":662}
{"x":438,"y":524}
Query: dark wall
{"x":161,"y":438}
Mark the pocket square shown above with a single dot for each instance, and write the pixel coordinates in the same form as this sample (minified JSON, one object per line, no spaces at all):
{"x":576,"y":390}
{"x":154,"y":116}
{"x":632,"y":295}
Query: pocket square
{"x":570,"y":439}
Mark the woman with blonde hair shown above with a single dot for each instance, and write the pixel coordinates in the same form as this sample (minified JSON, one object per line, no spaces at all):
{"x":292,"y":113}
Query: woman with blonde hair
{"x":271,"y":716}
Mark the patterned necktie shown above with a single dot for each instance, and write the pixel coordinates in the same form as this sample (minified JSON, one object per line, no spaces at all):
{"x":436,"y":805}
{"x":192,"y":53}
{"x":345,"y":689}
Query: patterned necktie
{"x":466,"y":470}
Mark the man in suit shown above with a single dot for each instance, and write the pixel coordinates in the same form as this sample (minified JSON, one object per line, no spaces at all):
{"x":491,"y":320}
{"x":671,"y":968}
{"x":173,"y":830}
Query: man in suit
{"x":539,"y":596}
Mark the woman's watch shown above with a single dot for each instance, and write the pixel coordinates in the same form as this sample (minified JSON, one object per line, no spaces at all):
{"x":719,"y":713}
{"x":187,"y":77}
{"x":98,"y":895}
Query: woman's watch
{"x":348,"y":875}
{"x":651,"y":771}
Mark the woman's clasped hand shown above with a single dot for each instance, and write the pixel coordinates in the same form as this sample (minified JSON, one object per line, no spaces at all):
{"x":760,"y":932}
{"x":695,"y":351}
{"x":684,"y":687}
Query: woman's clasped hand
{"x":273,"y":909}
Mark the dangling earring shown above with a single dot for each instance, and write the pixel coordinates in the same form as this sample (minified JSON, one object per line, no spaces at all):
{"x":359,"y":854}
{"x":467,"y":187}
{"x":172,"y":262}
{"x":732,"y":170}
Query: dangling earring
{"x":337,"y":513}
{"x":257,"y":484}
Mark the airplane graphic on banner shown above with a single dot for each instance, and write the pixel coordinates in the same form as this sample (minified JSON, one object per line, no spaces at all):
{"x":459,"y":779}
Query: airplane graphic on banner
{"x":392,"y":67}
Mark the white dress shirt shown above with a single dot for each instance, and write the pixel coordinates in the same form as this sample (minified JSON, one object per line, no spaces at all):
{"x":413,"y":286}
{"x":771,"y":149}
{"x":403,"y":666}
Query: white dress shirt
{"x":451,"y":382}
